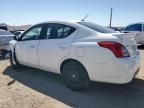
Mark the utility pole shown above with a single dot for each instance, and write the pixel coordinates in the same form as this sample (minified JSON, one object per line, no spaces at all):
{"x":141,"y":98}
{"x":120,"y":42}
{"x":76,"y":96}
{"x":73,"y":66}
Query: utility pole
{"x":14,"y":27}
{"x":111,"y":13}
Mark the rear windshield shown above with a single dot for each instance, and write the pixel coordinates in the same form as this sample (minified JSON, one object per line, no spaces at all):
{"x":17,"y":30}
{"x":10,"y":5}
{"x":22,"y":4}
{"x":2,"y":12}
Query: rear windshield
{"x":97,"y":27}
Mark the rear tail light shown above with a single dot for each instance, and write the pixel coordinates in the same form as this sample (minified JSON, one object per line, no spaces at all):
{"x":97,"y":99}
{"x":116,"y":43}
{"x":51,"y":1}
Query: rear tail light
{"x":118,"y":49}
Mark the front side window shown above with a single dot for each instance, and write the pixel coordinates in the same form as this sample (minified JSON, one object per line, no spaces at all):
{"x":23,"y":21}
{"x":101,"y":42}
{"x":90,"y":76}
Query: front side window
{"x":33,"y":34}
{"x":134,"y":27}
{"x":57,"y":31}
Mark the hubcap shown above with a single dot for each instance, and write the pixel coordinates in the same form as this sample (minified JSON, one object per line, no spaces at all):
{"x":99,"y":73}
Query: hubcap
{"x":74,"y":76}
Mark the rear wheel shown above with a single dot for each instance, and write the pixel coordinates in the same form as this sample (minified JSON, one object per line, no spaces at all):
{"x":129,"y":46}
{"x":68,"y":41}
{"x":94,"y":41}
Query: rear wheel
{"x":4,"y":53}
{"x":75,"y":76}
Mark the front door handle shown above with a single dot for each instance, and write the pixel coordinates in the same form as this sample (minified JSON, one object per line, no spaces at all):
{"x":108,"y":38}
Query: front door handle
{"x":63,"y":47}
{"x":32,"y":46}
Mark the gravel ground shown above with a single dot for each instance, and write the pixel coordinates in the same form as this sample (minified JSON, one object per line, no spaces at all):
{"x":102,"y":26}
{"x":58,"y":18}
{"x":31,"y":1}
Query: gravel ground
{"x":33,"y":88}
{"x":14,"y":94}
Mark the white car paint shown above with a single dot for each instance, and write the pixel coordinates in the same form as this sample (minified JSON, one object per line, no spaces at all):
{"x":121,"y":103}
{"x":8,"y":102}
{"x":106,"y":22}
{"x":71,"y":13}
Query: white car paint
{"x":57,"y":49}
{"x":138,"y":32}
{"x":82,"y":45}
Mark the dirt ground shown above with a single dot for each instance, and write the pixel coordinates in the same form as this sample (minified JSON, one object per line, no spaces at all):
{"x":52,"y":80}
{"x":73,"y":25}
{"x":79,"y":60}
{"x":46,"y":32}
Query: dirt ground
{"x":33,"y":88}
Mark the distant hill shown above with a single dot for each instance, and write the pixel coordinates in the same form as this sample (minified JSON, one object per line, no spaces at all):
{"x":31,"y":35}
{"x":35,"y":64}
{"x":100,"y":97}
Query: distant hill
{"x":13,"y":28}
{"x":117,"y":28}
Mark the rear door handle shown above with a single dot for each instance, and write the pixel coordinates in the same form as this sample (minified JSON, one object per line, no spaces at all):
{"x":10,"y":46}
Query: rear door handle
{"x":63,"y":47}
{"x":32,"y":46}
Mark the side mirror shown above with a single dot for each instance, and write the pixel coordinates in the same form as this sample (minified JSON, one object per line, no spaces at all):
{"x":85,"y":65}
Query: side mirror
{"x":16,"y":38}
{"x":17,"y":33}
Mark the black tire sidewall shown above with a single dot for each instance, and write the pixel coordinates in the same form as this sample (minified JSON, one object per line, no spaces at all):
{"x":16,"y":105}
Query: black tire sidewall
{"x":81,"y":72}
{"x":4,"y":52}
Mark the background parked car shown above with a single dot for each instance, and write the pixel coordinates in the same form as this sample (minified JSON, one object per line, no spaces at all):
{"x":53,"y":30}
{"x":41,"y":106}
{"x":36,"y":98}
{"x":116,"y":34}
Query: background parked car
{"x":138,"y":30}
{"x":5,"y":37}
{"x":18,"y":32}
{"x":3,"y":27}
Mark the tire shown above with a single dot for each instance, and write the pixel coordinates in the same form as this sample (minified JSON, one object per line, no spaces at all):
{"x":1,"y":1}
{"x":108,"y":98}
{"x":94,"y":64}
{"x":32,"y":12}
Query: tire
{"x":4,"y":52}
{"x":75,"y":76}
{"x":13,"y":61}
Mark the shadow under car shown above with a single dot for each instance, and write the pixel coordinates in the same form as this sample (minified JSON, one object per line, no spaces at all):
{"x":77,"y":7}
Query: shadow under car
{"x":98,"y":95}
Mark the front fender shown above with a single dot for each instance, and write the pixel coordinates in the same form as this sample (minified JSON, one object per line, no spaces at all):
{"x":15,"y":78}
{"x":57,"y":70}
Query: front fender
{"x":12,"y":44}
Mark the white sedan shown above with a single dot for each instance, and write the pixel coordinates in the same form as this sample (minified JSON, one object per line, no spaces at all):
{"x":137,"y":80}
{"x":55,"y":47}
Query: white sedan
{"x":79,"y":51}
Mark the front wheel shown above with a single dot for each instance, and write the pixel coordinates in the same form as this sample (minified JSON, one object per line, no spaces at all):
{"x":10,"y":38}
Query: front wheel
{"x":75,"y":76}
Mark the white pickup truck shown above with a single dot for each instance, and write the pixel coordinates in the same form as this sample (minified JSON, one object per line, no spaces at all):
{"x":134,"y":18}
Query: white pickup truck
{"x":138,"y":30}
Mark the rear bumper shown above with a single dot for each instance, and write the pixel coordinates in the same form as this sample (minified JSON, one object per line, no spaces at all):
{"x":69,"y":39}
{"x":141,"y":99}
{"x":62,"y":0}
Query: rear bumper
{"x":132,"y":67}
{"x":119,"y":71}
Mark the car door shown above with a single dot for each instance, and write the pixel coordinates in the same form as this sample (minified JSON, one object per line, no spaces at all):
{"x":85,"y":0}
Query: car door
{"x":55,"y":46}
{"x":26,"y":47}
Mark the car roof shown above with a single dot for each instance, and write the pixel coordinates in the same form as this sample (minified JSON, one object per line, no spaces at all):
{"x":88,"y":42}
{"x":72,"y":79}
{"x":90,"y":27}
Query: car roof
{"x":137,"y":23}
{"x":71,"y":22}
{"x":60,"y":21}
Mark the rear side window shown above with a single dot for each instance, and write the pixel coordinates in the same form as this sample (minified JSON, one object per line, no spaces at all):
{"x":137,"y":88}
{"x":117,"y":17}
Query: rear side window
{"x":134,"y":27}
{"x":57,"y":31}
{"x":97,"y":27}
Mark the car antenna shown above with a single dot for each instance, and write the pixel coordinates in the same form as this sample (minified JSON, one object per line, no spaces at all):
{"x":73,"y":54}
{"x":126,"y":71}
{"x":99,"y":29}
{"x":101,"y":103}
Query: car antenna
{"x":85,"y":17}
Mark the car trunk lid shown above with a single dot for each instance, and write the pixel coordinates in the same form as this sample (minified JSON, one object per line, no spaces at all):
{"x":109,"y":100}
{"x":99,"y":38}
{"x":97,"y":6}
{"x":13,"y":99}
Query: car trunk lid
{"x":128,"y":40}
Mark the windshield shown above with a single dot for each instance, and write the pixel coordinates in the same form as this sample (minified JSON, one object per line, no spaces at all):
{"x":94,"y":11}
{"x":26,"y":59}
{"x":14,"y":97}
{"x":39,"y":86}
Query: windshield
{"x":97,"y":27}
